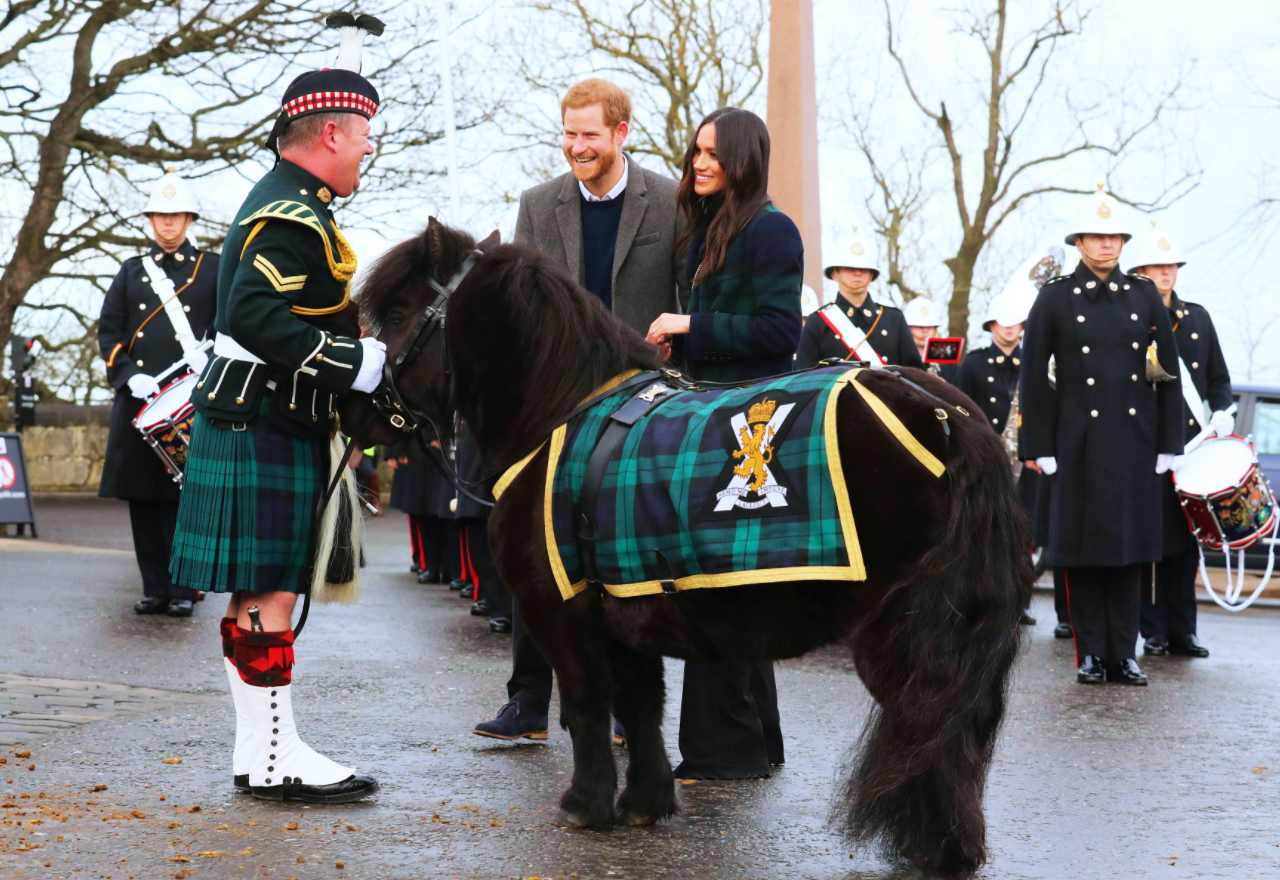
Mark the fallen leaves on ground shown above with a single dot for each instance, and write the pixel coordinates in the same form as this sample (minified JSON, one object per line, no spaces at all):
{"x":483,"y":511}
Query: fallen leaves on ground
{"x":99,"y":787}
{"x":25,"y":753}
{"x":179,"y":859}
{"x":172,"y":761}
{"x":137,"y":814}
{"x":194,"y":809}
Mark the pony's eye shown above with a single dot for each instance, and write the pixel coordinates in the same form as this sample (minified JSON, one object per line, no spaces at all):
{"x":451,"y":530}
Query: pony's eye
{"x":394,"y":320}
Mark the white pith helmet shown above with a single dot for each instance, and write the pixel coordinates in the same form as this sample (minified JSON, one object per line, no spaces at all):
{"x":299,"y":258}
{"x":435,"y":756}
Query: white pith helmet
{"x":851,"y":251}
{"x":922,"y":312}
{"x":1099,"y":216}
{"x":1008,"y":309}
{"x":1153,"y":248}
{"x":172,"y":195}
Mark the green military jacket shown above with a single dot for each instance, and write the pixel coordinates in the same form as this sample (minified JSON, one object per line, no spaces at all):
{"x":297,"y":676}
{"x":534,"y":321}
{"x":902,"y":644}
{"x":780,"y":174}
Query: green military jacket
{"x":285,"y":267}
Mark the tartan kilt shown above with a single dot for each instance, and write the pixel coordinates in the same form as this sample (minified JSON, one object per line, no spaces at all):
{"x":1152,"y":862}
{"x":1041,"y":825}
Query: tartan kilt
{"x":248,"y":504}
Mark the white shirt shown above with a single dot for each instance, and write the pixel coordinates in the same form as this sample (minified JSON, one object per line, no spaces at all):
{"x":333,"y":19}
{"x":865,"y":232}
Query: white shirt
{"x":611,"y":194}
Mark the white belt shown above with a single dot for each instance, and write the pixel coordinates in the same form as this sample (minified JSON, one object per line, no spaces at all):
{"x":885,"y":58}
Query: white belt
{"x":225,"y":346}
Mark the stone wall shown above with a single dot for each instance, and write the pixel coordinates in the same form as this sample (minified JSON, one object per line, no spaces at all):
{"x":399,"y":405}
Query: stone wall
{"x":65,"y":458}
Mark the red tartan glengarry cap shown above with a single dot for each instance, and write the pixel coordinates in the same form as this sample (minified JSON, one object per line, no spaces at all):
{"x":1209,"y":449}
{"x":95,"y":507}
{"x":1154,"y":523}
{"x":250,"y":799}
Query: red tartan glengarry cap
{"x":331,"y":90}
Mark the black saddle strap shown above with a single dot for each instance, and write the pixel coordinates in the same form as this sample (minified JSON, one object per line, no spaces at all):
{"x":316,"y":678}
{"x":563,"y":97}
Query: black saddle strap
{"x":620,"y":423}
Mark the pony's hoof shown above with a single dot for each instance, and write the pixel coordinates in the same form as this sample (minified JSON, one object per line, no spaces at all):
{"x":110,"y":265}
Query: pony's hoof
{"x":566,"y":819}
{"x":636,"y":820}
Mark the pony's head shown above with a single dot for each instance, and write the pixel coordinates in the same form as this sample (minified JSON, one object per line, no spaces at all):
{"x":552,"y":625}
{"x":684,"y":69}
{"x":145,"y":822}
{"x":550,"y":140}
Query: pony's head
{"x":392,"y":298}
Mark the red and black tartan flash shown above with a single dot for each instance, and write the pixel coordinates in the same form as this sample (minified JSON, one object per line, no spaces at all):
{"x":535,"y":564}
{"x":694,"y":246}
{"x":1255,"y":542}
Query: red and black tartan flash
{"x":340,"y":89}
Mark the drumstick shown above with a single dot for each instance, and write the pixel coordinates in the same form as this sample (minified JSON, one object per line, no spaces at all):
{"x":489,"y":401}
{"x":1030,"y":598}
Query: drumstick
{"x":1207,"y":432}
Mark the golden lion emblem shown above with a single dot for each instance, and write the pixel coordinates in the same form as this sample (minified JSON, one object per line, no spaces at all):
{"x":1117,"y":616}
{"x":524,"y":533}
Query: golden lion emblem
{"x":756,"y":438}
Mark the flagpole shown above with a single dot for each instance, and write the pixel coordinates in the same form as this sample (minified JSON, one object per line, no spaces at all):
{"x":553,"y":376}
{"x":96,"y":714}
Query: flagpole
{"x":450,"y":127}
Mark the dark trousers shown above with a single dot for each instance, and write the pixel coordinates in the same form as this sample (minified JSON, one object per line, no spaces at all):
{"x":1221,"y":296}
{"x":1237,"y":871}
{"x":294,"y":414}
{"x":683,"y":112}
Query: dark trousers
{"x":1060,"y":596}
{"x":729,"y":722}
{"x":475,"y":546}
{"x":1169,"y":595}
{"x":427,"y":536}
{"x":153,"y":524}
{"x":530,"y":681}
{"x":1103,"y":602}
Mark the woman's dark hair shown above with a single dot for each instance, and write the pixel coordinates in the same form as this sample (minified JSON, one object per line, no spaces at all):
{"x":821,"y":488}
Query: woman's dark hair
{"x":742,"y":149}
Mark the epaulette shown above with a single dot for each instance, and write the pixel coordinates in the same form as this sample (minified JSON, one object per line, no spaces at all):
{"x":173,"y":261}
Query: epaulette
{"x":1057,"y":278}
{"x":1139,"y":276}
{"x":343,"y":265}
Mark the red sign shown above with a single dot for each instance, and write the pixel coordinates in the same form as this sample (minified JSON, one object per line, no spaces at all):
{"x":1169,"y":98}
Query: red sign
{"x":8,"y":475}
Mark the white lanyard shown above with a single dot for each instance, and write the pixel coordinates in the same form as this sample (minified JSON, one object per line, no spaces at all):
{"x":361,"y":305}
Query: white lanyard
{"x":835,"y":318}
{"x":163,"y":287}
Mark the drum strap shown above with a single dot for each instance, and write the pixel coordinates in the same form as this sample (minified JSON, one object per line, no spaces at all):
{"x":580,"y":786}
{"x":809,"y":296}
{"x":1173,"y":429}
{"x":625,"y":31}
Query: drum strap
{"x":168,"y":294}
{"x":1190,"y":395}
{"x":853,"y":339}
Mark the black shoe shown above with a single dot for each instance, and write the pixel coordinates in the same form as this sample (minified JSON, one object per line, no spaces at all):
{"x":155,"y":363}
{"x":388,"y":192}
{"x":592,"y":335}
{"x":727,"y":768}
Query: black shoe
{"x":457,"y":584}
{"x":429,"y":577}
{"x":181,"y":607}
{"x":241,"y":782}
{"x":415,"y":568}
{"x":481,"y":608}
{"x":1091,"y":670}
{"x":1156,"y":646}
{"x":1128,"y":672}
{"x":513,"y":722}
{"x":355,"y":787}
{"x":467,"y":593}
{"x":1062,"y":631}
{"x":1026,"y":619}
{"x":619,"y":734}
{"x":151,"y":605}
{"x":1187,"y":645}
{"x":500,"y":624}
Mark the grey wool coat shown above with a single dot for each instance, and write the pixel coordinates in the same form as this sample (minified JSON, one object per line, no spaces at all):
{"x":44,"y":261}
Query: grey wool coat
{"x":648,"y":274}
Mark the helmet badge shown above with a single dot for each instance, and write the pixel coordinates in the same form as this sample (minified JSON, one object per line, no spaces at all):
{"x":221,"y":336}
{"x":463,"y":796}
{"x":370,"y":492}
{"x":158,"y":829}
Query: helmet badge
{"x":169,"y":191}
{"x":1163,"y":244}
{"x":1104,"y":210}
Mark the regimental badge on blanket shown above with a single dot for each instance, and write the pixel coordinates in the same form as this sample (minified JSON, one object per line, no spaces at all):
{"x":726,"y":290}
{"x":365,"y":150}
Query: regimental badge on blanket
{"x":753,"y":482}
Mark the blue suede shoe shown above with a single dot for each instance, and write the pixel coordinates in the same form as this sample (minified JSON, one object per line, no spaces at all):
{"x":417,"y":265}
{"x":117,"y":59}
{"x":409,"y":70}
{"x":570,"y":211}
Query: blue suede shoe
{"x":514,"y":722}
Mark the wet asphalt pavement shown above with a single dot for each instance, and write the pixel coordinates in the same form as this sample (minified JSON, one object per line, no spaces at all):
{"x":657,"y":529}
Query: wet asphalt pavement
{"x":1180,"y":779}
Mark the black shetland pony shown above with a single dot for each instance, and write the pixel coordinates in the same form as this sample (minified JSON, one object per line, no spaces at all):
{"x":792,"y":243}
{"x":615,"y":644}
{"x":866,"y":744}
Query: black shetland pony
{"x":933,"y":630}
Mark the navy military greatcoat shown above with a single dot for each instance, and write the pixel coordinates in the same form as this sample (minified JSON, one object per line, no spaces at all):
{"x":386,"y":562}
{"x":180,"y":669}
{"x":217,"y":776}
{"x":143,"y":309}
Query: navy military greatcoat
{"x":136,"y":336}
{"x":1106,"y":423}
{"x":886,"y":329}
{"x":990,"y":377}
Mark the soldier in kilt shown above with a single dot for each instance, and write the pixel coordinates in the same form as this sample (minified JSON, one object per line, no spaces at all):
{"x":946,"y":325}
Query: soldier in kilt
{"x":265,"y":415}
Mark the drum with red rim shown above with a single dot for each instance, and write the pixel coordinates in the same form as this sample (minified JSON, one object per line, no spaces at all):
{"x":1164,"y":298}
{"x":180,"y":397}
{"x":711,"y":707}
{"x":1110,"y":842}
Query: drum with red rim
{"x":165,"y":423}
{"x":1225,"y":495}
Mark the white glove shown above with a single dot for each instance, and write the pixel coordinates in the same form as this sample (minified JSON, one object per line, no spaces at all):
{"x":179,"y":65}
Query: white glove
{"x":197,"y":360}
{"x":143,"y":386}
{"x":375,"y":355}
{"x":1048,"y":464}
{"x":1164,"y":461}
{"x":1178,"y":461}
{"x":1222,"y":423}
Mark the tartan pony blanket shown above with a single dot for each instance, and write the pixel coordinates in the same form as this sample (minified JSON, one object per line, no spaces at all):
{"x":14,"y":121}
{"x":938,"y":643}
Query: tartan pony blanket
{"x":714,"y":488}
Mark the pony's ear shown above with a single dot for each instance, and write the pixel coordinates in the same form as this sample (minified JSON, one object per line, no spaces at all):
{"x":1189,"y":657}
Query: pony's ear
{"x":493,"y":239}
{"x":435,"y":234}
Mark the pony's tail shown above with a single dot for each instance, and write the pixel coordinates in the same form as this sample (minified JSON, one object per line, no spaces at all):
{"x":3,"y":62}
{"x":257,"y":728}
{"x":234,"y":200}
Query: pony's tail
{"x":336,"y":573}
{"x":936,"y":654}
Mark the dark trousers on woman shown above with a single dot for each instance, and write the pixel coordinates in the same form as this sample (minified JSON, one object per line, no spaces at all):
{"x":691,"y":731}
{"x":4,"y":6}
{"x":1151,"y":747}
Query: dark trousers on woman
{"x":153,"y":524}
{"x":1169,"y":595}
{"x":1103,"y":601}
{"x":729,"y":723}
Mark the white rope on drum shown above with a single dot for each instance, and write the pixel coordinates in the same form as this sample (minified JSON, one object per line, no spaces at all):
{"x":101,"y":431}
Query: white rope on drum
{"x":1230,"y":599}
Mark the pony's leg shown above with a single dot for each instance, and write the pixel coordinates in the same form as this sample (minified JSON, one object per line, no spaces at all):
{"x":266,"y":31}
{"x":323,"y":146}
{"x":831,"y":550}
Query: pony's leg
{"x":640,"y":693}
{"x":586,"y":695}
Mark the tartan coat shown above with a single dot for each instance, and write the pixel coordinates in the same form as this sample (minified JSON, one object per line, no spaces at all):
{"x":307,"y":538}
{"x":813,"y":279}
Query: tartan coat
{"x":889,"y":336}
{"x":135,"y":336}
{"x":1199,"y":350}
{"x":1105,"y":423}
{"x":745,"y":319}
{"x":285,"y":266}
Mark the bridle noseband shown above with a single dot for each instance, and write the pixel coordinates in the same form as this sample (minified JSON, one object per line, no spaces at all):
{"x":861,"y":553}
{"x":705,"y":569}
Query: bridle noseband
{"x":386,"y":398}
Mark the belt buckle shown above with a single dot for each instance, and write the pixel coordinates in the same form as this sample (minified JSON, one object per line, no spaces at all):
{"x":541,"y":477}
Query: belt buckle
{"x":239,"y":426}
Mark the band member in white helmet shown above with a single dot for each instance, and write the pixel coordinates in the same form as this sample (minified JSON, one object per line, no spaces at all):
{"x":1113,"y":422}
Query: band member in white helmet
{"x":856,"y":327}
{"x":156,"y":312}
{"x":1168,"y":610}
{"x":1110,"y":430}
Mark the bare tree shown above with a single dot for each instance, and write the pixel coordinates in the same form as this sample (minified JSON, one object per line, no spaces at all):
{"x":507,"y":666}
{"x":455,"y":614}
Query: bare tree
{"x":97,"y":96}
{"x":678,"y":59}
{"x":995,"y":112}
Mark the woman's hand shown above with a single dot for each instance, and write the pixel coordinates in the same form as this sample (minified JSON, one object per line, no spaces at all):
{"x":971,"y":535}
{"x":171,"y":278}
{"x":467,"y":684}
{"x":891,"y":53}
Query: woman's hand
{"x":667,"y":326}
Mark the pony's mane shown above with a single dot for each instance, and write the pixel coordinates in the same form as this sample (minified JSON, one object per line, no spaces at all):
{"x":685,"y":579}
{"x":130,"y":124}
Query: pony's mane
{"x":518,"y":307}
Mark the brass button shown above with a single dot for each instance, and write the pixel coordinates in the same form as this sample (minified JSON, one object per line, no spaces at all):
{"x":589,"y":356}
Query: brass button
{"x":1135,"y":346}
{"x":240,"y":401}
{"x":884,"y":332}
{"x":1093,"y":413}
{"x":993,"y":400}
{"x":138,"y":362}
{"x":177,"y":336}
{"x":1079,"y":319}
{"x":991,"y":360}
{"x":1089,"y":381}
{"x":1133,"y":317}
{"x":1126,"y":287}
{"x":867,"y":312}
{"x":293,"y":406}
{"x":1132,"y":411}
{"x":142,"y":307}
{"x":159,"y":257}
{"x":320,"y":357}
{"x":1085,"y":349}
{"x":1114,"y":287}
{"x":303,"y":191}
{"x":1017,"y":362}
{"x":995,"y":421}
{"x":186,"y":308}
{"x":315,"y":418}
{"x":1134,"y":377}
{"x":211,"y":395}
{"x":179,"y":257}
{"x":1077,"y":290}
{"x":1195,"y":365}
{"x":1000,"y":359}
{"x":991,"y":378}
{"x":1191,"y":421}
{"x":146,"y":280}
{"x":1091,"y":284}
{"x":139,"y":334}
{"x":1195,"y":335}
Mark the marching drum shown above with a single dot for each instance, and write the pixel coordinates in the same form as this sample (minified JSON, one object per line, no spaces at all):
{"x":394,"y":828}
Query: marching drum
{"x":165,"y":423}
{"x":1229,"y":506}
